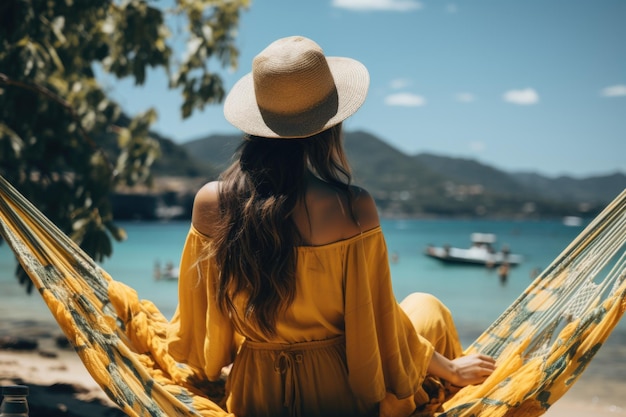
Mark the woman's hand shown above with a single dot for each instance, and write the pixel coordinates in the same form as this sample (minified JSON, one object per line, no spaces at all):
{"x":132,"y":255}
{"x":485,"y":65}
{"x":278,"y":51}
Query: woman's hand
{"x":465,"y":370}
{"x":472,"y":369}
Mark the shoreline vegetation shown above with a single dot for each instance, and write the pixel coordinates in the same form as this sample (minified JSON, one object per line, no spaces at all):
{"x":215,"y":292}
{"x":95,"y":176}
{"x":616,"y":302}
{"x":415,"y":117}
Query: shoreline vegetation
{"x":35,"y":353}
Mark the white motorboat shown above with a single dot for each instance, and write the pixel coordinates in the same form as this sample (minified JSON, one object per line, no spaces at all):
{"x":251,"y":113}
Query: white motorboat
{"x":169,"y":273}
{"x":481,"y":252}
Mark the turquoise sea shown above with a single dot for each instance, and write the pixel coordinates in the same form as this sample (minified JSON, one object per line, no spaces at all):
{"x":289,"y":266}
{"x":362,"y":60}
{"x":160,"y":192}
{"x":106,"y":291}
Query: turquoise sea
{"x":474,"y":294}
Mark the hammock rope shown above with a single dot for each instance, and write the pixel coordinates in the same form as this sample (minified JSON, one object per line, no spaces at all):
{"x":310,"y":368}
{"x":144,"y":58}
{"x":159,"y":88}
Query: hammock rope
{"x":548,"y":336}
{"x":543,"y":341}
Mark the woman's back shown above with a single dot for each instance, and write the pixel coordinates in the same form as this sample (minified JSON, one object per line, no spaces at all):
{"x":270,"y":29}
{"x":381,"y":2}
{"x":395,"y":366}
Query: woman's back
{"x":328,"y":221}
{"x":325,"y":216}
{"x":308,"y":345}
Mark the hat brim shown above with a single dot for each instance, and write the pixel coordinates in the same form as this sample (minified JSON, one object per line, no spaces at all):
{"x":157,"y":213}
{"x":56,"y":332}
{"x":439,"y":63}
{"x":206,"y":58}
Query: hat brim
{"x":351,"y":82}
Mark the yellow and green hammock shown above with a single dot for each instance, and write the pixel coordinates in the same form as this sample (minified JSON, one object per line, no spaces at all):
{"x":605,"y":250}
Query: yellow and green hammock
{"x":542,"y":342}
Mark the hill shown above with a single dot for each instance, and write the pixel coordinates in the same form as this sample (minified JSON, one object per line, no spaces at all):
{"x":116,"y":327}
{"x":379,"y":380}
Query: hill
{"x":600,"y":188}
{"x":423,"y":184}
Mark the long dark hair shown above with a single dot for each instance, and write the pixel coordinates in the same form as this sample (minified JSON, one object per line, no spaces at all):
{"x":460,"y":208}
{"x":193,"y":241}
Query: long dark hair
{"x":256,"y":240}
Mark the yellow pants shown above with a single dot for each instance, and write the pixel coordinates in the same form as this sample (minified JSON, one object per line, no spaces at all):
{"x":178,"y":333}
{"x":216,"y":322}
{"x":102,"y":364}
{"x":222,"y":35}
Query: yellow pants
{"x":431,"y":319}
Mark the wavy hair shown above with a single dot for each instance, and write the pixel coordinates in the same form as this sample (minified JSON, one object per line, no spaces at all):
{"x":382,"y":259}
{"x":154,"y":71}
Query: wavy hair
{"x":255,"y":243}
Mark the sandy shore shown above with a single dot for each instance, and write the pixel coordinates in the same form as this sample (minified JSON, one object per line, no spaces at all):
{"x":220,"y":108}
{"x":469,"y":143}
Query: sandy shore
{"x":61,"y":386}
{"x":58,"y":386}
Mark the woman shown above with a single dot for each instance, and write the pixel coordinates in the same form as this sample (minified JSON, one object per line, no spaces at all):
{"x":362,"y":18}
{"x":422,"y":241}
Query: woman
{"x":285,"y":271}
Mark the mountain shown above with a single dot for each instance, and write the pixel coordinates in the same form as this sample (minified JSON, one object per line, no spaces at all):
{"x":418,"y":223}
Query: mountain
{"x":216,"y":150}
{"x":600,"y":189}
{"x":423,"y":184}
{"x":175,"y":160}
{"x":473,"y":172}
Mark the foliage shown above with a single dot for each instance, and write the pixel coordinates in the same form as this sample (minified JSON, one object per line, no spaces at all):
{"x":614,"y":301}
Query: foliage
{"x":55,"y":115}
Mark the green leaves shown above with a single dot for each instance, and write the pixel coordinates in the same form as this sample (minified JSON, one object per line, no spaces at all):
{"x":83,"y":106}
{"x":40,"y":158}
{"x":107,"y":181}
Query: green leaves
{"x":136,"y":40}
{"x":64,"y":142}
{"x":211,"y":33}
{"x":138,"y":151}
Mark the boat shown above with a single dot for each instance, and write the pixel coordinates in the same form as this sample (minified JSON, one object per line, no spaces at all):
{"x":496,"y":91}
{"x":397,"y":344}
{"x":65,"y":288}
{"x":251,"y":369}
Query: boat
{"x":481,"y":252}
{"x":169,"y":273}
{"x":573,"y":221}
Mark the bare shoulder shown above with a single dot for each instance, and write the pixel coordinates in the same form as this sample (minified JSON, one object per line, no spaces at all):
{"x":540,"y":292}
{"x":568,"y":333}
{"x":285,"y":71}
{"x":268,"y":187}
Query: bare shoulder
{"x":329,"y":215}
{"x":206,"y":208}
{"x":364,"y":208}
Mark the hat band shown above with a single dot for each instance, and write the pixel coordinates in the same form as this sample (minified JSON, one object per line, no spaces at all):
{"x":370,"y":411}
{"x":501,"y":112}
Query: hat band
{"x":306,"y":123}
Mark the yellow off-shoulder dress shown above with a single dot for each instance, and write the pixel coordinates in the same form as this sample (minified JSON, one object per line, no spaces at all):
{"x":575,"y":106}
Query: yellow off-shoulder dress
{"x":342,"y":345}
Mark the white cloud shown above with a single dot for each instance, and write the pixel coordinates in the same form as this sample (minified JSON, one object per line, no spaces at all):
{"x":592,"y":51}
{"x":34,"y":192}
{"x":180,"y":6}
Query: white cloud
{"x":618,"y":90}
{"x":400,"y":83}
{"x":477,"y":146}
{"x":369,"y":5}
{"x":526,"y":96}
{"x":465,"y":97}
{"x":405,"y":100}
{"x":452,"y":8}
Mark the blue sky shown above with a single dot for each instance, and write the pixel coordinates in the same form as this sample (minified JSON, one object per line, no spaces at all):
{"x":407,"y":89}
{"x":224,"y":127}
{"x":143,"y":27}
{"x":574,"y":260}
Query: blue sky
{"x":525,"y":85}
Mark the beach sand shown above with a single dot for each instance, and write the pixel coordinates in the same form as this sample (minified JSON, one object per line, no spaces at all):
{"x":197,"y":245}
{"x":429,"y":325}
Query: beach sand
{"x":61,"y":386}
{"x":58,"y":386}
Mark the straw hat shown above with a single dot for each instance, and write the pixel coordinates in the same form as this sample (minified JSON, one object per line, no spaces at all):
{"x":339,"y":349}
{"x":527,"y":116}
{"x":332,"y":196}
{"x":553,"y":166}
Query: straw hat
{"x":294,"y":91}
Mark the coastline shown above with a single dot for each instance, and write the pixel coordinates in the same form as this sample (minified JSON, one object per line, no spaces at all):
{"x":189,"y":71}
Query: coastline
{"x":61,"y":386}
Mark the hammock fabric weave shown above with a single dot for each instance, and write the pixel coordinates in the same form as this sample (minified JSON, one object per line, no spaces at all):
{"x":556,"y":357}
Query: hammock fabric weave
{"x":542,"y":342}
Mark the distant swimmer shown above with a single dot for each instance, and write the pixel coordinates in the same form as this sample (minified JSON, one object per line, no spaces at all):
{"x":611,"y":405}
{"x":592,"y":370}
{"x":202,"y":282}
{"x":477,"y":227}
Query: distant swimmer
{"x":157,"y":270}
{"x":503,"y":272}
{"x":394,"y":257}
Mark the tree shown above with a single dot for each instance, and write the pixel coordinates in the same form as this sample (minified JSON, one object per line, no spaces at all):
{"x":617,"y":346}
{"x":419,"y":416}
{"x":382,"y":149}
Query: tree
{"x":60,"y":144}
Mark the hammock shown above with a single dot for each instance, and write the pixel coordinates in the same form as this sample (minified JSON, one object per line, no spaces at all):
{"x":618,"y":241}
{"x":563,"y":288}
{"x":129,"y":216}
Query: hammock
{"x":542,"y":342}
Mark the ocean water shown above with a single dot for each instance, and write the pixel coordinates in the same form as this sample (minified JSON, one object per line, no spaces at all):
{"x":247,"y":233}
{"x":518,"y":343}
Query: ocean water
{"x":474,"y":294}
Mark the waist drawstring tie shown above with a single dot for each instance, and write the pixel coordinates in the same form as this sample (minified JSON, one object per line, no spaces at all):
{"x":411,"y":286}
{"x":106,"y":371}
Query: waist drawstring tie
{"x":284,"y":364}
{"x":286,"y":357}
